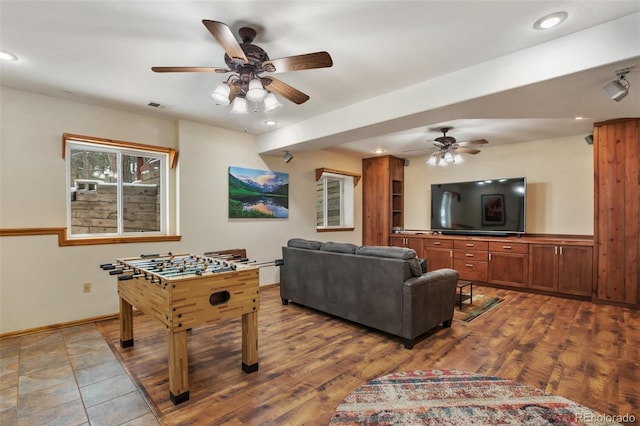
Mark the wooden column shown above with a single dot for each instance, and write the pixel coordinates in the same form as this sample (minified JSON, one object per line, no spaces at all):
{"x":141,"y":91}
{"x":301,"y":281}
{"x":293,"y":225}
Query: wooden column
{"x":617,"y":211}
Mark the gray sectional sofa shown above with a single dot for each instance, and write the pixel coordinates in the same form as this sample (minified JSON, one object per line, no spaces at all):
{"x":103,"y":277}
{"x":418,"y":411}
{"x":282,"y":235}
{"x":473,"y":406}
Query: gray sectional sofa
{"x":379,"y":287}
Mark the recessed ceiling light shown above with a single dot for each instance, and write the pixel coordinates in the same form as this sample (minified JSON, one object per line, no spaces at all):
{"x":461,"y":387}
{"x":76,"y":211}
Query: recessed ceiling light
{"x":7,"y":56}
{"x":379,"y":151}
{"x":550,"y":21}
{"x":579,"y":118}
{"x":270,"y":122}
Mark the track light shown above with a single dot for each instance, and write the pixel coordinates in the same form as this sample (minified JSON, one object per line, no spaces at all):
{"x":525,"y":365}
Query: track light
{"x":619,"y":88}
{"x":287,"y":156}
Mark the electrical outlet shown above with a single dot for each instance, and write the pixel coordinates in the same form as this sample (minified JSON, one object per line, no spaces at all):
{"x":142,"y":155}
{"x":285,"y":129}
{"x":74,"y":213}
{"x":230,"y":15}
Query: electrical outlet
{"x":86,"y":287}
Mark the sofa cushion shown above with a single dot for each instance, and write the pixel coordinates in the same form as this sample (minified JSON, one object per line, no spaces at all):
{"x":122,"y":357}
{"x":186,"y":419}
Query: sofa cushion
{"x":304,"y":244}
{"x":392,"y":252}
{"x":415,"y":267}
{"x":339,"y":247}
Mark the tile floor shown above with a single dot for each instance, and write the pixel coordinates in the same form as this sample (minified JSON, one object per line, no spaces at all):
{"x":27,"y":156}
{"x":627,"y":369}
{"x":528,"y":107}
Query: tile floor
{"x":67,"y":377}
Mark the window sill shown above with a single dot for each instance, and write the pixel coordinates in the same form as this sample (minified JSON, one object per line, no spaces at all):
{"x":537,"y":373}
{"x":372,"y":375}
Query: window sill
{"x":335,"y":229}
{"x":63,"y":241}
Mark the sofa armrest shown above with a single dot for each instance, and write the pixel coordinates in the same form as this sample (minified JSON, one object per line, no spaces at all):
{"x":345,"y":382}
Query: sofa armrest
{"x":428,"y":300}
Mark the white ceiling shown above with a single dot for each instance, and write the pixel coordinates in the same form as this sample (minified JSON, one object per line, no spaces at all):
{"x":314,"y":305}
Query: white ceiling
{"x":400,"y":68}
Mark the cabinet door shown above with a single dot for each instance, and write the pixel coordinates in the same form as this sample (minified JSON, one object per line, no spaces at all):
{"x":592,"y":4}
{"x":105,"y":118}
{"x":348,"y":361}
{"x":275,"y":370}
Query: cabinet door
{"x":575,"y":270}
{"x":408,"y":242}
{"x":543,"y":262}
{"x":508,"y":269}
{"x":438,"y":258}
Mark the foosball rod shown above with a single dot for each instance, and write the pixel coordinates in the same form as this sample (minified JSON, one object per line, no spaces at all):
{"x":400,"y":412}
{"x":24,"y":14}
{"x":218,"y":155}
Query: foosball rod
{"x":141,"y":263}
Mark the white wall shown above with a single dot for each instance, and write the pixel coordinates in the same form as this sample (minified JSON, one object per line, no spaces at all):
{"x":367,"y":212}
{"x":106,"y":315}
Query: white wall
{"x":41,"y":283}
{"x":205,"y":156}
{"x":559,"y":176}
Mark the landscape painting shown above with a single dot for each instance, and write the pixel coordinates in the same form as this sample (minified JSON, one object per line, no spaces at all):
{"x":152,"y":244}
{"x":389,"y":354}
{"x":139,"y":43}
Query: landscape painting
{"x":258,"y":193}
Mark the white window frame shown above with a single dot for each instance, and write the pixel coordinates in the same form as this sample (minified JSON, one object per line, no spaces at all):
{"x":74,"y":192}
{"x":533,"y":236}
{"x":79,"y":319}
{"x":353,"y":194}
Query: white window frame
{"x":348,"y":181}
{"x":167,"y":158}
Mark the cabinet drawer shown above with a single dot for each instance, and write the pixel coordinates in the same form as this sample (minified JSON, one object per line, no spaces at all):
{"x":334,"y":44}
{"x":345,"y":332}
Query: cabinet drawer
{"x":428,"y":243}
{"x":471,"y":245}
{"x":482,"y":256}
{"x":508,"y":247}
{"x":471,"y":270}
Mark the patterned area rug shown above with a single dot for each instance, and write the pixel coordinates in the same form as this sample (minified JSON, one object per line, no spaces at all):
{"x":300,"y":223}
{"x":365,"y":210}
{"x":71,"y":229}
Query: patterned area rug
{"x":451,"y":397}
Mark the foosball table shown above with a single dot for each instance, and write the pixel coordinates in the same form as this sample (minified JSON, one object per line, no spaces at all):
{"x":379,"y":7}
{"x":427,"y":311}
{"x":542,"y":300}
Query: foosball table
{"x":186,"y":291}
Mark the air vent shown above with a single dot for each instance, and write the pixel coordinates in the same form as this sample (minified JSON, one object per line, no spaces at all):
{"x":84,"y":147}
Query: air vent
{"x":159,"y":105}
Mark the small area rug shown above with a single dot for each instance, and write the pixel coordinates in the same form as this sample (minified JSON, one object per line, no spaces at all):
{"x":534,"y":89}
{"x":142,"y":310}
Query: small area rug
{"x":452,"y":397}
{"x":470,"y":311}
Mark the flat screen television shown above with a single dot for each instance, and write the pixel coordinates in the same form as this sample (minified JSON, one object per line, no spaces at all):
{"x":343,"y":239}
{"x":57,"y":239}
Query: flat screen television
{"x":491,"y":207}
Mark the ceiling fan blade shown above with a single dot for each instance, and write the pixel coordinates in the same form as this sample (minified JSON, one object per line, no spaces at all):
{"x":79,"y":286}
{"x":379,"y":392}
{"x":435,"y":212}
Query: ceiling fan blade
{"x":467,"y":150}
{"x":476,"y":142}
{"x":299,"y":62}
{"x":225,"y":38}
{"x":440,"y":144}
{"x":284,"y":90}
{"x":189,"y":69}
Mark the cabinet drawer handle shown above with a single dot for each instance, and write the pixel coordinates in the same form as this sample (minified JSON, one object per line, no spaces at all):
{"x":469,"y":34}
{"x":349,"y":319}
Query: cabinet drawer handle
{"x":436,"y":243}
{"x":469,"y":265}
{"x":469,"y":244}
{"x":469,"y":254}
{"x":506,"y":247}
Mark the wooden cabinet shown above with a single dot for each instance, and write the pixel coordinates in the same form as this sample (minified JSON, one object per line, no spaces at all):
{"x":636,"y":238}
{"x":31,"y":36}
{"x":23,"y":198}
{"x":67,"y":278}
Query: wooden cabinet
{"x":470,"y":259}
{"x":439,"y":253}
{"x":616,"y":147}
{"x":508,"y":263}
{"x":566,"y":269}
{"x":543,"y":264}
{"x":575,"y":270}
{"x":382,"y":198}
{"x":409,"y":242}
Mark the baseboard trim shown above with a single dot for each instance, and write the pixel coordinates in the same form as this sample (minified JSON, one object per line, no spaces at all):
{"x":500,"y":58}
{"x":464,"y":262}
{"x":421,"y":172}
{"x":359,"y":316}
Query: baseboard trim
{"x":57,"y":326}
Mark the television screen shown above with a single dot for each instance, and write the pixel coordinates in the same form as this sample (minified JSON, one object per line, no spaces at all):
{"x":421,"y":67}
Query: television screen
{"x":495,"y":206}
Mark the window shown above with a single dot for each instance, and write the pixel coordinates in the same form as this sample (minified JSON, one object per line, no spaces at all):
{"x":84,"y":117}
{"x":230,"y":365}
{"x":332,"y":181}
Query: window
{"x":334,"y":199}
{"x":116,"y":189}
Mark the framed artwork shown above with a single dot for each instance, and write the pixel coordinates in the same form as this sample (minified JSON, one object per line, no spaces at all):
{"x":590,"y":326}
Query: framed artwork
{"x":258,"y":194}
{"x":493,"y":212}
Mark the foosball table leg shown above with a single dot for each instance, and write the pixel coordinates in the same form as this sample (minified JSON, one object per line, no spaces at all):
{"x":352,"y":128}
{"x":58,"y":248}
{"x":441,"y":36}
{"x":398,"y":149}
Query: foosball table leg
{"x":126,"y":324}
{"x":178,"y":367}
{"x":250,"y":342}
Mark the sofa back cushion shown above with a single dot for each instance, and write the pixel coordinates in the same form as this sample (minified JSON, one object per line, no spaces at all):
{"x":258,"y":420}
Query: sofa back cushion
{"x":304,"y":244}
{"x":391,"y":252}
{"x":402,"y":253}
{"x":339,"y":247}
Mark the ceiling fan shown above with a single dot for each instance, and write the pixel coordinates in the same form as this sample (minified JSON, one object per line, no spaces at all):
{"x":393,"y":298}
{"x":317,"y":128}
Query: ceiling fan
{"x":247,"y":63}
{"x":448,"y":148}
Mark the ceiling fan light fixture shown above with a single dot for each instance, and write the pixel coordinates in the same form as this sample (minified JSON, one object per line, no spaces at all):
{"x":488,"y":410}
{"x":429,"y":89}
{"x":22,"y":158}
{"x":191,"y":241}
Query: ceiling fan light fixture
{"x":433,"y":160}
{"x":271,"y":103}
{"x":256,"y":92}
{"x":221,"y":94}
{"x":239,"y":106}
{"x":448,"y":158}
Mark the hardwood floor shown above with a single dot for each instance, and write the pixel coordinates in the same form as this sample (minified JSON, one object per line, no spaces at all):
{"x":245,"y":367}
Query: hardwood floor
{"x":310,"y":361}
